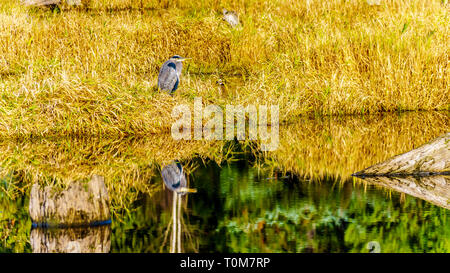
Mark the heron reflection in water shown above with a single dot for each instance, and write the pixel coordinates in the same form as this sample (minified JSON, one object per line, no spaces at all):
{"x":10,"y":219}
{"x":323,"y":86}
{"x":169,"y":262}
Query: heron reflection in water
{"x":175,"y":180}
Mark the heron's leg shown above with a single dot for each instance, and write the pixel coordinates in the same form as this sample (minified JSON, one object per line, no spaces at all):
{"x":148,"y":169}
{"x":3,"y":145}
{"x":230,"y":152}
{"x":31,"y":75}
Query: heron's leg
{"x":179,"y":224}
{"x":174,"y":222}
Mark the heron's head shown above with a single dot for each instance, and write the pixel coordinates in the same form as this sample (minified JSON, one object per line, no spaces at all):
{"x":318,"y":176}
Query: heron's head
{"x":178,"y":58}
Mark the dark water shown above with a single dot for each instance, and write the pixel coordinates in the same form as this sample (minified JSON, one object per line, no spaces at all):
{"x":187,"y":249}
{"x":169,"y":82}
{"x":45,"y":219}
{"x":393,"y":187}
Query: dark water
{"x":237,"y":209}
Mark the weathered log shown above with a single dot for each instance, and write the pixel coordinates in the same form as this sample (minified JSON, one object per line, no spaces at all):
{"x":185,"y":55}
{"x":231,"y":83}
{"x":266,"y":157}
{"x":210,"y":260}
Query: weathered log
{"x":40,"y":3}
{"x":71,"y":240}
{"x":374,"y":2}
{"x":430,"y":158}
{"x":434,"y":189}
{"x":79,"y":205}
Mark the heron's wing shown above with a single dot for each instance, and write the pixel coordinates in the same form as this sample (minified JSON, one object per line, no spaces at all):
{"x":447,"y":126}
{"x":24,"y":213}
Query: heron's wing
{"x":168,"y":77}
{"x":181,"y":177}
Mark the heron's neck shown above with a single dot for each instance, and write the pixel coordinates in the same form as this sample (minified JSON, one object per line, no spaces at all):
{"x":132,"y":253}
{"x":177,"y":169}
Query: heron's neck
{"x":179,"y":66}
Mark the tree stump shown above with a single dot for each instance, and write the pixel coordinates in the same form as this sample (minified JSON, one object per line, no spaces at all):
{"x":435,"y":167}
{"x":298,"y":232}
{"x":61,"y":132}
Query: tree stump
{"x":81,"y":204}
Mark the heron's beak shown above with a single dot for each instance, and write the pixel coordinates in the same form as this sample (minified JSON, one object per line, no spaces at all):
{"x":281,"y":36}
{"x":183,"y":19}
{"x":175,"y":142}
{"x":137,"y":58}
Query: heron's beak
{"x":188,"y":190}
{"x":183,"y":59}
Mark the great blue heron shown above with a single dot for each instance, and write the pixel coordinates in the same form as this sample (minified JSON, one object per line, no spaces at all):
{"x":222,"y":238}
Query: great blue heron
{"x":231,"y":17}
{"x":169,"y":74}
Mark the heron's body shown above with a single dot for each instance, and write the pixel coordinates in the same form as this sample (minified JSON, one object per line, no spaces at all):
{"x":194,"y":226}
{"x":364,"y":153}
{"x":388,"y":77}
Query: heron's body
{"x":231,"y":17}
{"x":170,"y":73}
{"x":175,"y":179}
{"x":173,"y":176}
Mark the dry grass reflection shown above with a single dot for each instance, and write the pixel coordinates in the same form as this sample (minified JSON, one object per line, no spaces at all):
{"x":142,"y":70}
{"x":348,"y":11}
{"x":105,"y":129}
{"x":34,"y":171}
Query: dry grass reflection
{"x":128,"y":165}
{"x":340,"y":146}
{"x":313,"y":148}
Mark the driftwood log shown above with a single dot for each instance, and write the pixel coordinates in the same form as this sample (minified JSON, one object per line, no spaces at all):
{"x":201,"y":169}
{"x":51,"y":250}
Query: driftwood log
{"x":80,"y":204}
{"x":429,"y":159}
{"x":41,"y":3}
{"x":71,"y":240}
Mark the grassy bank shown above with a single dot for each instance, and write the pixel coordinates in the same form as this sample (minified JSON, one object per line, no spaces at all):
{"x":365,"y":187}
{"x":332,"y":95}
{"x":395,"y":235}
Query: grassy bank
{"x":93,"y":71}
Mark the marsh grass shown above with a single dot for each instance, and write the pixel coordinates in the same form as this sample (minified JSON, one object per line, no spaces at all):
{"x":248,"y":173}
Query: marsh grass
{"x":92,"y":71}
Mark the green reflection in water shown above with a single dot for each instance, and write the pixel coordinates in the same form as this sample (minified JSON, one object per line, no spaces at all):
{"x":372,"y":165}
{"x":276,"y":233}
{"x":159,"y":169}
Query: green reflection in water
{"x":238,"y":209}
{"x":15,"y":223}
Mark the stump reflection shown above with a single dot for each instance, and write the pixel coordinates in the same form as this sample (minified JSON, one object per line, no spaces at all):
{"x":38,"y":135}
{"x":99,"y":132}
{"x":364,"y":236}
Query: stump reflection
{"x":71,"y":240}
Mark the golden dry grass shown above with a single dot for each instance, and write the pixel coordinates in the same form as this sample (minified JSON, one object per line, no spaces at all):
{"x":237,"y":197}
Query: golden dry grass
{"x":93,"y":70}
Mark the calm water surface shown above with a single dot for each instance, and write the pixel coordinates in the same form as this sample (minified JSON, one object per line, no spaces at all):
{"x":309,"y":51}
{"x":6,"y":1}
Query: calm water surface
{"x":237,"y":209}
{"x":240,"y":206}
